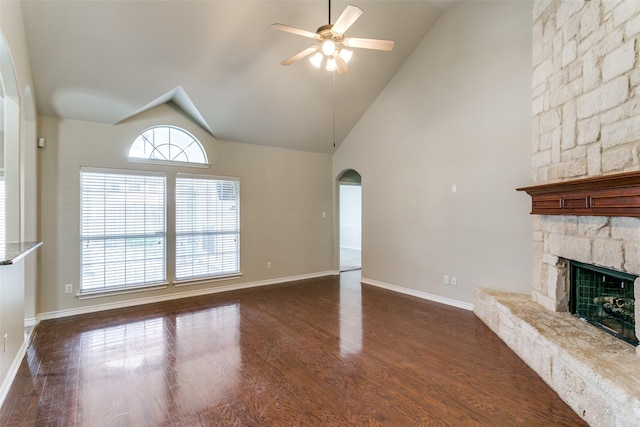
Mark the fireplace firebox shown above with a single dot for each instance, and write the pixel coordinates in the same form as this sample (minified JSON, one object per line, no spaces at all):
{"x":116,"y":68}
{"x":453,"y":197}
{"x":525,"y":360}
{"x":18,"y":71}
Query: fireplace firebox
{"x":604,"y":298}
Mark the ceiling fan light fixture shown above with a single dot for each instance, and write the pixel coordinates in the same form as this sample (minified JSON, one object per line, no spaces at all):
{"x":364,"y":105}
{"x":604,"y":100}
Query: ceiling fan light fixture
{"x":328,"y":47}
{"x":331,"y":64}
{"x":346,"y":55}
{"x":316,"y":60}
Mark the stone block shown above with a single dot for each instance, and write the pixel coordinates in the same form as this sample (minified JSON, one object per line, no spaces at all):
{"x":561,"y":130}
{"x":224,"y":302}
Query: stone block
{"x":574,"y":168}
{"x":575,"y":153}
{"x":609,"y":5}
{"x":632,"y":265}
{"x":550,"y":259}
{"x":632,"y":27}
{"x":569,"y":52}
{"x":548,"y":31}
{"x":538,"y":356}
{"x":588,"y":130}
{"x":552,"y":224}
{"x":566,"y":10}
{"x":569,"y":125}
{"x":596,"y":410}
{"x":570,"y":247}
{"x":594,"y":226}
{"x":626,"y":229}
{"x":541,"y":158}
{"x":625,"y":11}
{"x":551,"y":140}
{"x":539,"y":7}
{"x":610,"y":42}
{"x":535,"y":134}
{"x":606,"y":96}
{"x":545,"y":301}
{"x":590,"y":71}
{"x":622,"y":132}
{"x":570,"y":224}
{"x":567,"y":383}
{"x":619,"y":61}
{"x":566,"y":92}
{"x":590,"y":18}
{"x":608,"y":253}
{"x":594,"y":160}
{"x":616,"y":160}
{"x":571,"y":28}
{"x":591,"y":40}
{"x":541,"y":73}
{"x":537,"y":105}
{"x":550,"y":120}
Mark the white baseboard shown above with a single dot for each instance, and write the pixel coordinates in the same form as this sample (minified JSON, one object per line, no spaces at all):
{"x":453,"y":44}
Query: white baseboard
{"x":13,"y":370}
{"x":178,"y":295}
{"x":419,"y":294}
{"x":30,"y":322}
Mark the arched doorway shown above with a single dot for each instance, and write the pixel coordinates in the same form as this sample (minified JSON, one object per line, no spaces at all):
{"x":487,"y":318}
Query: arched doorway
{"x":350,"y":220}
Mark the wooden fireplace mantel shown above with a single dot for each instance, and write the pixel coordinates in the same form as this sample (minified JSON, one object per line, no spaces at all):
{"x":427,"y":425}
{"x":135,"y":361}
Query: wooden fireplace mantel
{"x":611,"y":195}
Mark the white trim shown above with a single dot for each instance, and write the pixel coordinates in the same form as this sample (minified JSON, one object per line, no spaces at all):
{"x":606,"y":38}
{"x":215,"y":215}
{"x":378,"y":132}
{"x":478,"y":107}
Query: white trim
{"x":30,"y":322}
{"x":120,"y":291}
{"x":13,"y":369}
{"x":201,"y":280}
{"x":174,"y":163}
{"x":115,"y":171}
{"x":419,"y":294}
{"x":161,"y":298}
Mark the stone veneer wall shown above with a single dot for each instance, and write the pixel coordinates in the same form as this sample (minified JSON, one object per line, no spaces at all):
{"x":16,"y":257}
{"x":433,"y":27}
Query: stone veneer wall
{"x":586,"y":122}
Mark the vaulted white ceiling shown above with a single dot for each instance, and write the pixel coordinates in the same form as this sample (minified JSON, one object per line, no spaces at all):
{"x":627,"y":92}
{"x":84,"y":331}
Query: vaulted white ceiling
{"x":219,"y":61}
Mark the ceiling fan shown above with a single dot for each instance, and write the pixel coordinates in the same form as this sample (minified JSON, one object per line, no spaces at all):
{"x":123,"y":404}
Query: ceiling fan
{"x":331,"y":42}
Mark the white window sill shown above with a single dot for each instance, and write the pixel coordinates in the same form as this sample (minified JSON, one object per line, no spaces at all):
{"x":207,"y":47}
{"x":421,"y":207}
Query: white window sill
{"x":120,"y":291}
{"x":201,"y":280}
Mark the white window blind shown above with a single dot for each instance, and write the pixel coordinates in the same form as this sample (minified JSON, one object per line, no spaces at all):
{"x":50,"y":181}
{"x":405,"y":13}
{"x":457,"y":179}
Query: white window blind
{"x":122,"y":229}
{"x":207,"y":226}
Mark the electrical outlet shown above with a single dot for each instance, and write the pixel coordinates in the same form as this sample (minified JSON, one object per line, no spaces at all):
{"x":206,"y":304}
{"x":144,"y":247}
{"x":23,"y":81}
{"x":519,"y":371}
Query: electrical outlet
{"x":269,"y":266}
{"x":68,"y":288}
{"x":446,"y":280}
{"x":454,"y":281}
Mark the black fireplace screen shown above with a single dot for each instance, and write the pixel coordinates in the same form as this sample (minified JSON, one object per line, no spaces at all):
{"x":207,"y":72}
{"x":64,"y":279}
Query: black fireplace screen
{"x":604,"y":298}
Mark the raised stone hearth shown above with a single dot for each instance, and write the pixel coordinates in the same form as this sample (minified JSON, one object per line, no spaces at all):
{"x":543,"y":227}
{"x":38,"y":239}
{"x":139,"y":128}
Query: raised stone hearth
{"x":595,"y":373}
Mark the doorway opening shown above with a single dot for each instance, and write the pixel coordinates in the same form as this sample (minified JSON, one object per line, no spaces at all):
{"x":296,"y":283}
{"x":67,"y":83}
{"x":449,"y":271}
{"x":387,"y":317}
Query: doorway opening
{"x":350,"y":214}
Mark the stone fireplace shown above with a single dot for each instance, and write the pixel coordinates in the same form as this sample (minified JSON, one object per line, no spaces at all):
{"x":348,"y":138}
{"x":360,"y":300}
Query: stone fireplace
{"x":586,"y":128}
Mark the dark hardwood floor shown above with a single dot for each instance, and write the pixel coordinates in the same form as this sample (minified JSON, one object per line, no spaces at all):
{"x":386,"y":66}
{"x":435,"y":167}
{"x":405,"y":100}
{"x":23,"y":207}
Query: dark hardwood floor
{"x":320,"y":352}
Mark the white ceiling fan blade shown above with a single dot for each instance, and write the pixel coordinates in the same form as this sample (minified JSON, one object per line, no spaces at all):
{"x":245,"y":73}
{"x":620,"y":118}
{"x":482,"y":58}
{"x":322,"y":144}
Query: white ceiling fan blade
{"x":348,"y":17}
{"x":298,"y":56}
{"x":369,"y":43}
{"x":343,"y":68}
{"x":294,"y":30}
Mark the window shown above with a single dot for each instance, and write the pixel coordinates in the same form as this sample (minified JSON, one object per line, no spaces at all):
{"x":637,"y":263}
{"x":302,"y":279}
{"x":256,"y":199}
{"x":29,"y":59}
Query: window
{"x":168,"y":144}
{"x":207,"y":226}
{"x":122,"y":229}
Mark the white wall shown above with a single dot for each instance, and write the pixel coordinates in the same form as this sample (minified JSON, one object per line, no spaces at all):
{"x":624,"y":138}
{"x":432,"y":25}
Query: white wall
{"x":350,"y":216}
{"x":283,"y":194}
{"x":457,"y":112}
{"x":16,"y":281}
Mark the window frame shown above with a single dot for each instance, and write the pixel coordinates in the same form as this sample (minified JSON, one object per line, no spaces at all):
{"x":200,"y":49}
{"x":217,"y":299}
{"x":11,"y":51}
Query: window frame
{"x":131,"y":287}
{"x":168,"y":162}
{"x":207,"y":277}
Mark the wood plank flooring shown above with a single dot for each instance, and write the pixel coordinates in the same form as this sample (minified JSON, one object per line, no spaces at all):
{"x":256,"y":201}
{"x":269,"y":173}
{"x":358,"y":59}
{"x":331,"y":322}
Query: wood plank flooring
{"x":321,"y":352}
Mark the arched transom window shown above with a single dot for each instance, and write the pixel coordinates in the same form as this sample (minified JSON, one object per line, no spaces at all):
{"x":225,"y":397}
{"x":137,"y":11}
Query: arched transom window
{"x":168,"y":144}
